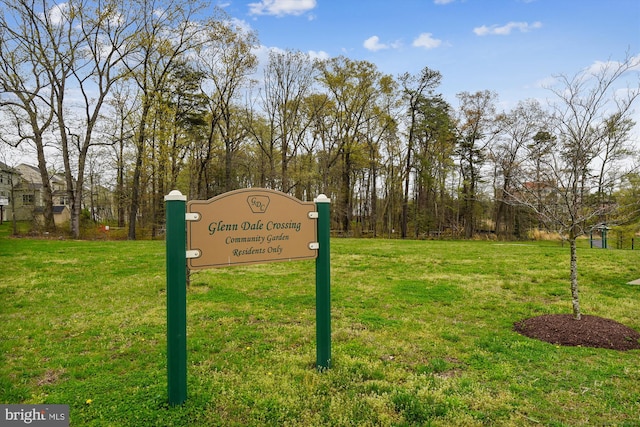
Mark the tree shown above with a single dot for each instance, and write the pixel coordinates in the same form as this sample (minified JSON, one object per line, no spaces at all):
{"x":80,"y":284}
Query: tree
{"x":288,"y":79}
{"x":320,"y":109}
{"x":614,"y":150}
{"x":164,"y":35}
{"x":227,"y":61}
{"x":538,"y":152}
{"x":516,"y":129}
{"x":582,"y":126}
{"x":74,"y":46}
{"x":627,"y":199}
{"x":178,"y":117}
{"x":98,"y":38}
{"x":477,"y":114}
{"x":119,"y":128}
{"x":434,"y":148}
{"x":382,"y":128}
{"x":353,"y":88}
{"x":415,"y":91}
{"x":27,"y":97}
{"x":392,"y":173}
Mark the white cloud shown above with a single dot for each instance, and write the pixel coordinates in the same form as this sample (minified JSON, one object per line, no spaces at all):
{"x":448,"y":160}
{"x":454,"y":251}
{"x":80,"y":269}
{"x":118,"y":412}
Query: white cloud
{"x":58,"y":14}
{"x":546,"y":82}
{"x":599,"y":67}
{"x":373,"y":44}
{"x":426,"y":41}
{"x":320,"y":55}
{"x":262,"y":52}
{"x":281,"y":7}
{"x":240,"y":25}
{"x":505,"y":30}
{"x":443,"y":1}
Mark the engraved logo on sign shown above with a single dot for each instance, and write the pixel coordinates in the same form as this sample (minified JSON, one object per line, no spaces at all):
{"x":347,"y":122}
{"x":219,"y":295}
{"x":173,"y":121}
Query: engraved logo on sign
{"x":258,"y":204}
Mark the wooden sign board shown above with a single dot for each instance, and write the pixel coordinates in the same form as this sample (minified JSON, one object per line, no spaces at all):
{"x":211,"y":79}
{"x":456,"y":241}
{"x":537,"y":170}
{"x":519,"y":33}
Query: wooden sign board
{"x":250,"y":226}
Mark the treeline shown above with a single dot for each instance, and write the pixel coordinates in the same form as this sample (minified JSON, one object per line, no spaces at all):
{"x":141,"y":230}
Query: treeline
{"x":146,"y":96}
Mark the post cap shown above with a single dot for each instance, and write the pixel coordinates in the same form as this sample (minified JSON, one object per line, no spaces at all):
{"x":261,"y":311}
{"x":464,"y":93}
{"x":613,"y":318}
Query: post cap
{"x":175,"y":195}
{"x":322,"y":199}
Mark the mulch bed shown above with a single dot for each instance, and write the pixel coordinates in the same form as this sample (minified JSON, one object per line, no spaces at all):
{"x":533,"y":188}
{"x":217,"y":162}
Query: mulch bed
{"x":589,"y":331}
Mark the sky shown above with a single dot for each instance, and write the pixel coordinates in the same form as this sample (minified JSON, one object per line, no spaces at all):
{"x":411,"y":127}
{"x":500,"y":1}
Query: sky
{"x":512,"y":47}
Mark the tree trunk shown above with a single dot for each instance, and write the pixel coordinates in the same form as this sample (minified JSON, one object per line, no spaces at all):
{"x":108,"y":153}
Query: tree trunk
{"x":47,"y":193}
{"x":468,"y":206}
{"x":137,"y":172}
{"x":14,"y":220}
{"x":500,"y":213}
{"x":374,"y":198}
{"x":284,"y":165}
{"x":135,"y":192}
{"x":120,"y":182}
{"x":405,"y":199}
{"x":228,"y":157}
{"x":76,"y":212}
{"x":346,"y":193}
{"x":575,"y":296}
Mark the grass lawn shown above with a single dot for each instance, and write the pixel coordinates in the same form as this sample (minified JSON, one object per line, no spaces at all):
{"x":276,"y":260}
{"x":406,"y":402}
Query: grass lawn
{"x":421,"y":335}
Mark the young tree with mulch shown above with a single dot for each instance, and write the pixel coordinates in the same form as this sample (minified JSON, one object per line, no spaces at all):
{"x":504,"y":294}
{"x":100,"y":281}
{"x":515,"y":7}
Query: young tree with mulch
{"x":567,"y":191}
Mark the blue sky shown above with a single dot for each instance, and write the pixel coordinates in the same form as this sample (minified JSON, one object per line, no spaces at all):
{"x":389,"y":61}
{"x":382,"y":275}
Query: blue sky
{"x":509,"y":46}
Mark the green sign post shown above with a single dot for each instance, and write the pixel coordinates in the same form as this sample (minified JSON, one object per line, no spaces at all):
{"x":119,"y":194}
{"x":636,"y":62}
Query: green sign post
{"x":323,"y":286}
{"x":177,"y":251}
{"x":176,"y":297}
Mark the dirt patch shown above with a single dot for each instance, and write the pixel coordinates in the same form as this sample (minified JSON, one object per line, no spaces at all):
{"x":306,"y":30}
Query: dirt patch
{"x":589,"y":331}
{"x":51,"y":376}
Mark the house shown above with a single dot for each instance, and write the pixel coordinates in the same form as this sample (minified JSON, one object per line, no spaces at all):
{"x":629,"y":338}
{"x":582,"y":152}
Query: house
{"x":8,"y":176}
{"x":22,"y":187}
{"x":22,"y":190}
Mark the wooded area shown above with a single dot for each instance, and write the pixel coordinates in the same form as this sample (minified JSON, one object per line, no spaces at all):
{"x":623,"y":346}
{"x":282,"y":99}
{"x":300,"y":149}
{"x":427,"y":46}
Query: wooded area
{"x":142,"y":97}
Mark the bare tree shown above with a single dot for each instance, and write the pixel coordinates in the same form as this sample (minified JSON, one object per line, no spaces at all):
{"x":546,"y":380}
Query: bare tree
{"x":288,"y":79}
{"x":582,"y":127}
{"x":516,"y":129}
{"x":26,"y":93}
{"x":72,"y":53}
{"x":119,"y":128}
{"x":99,"y":36}
{"x":615,"y":148}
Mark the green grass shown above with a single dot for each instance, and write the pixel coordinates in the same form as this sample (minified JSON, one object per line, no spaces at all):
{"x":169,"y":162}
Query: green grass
{"x":421,"y":335}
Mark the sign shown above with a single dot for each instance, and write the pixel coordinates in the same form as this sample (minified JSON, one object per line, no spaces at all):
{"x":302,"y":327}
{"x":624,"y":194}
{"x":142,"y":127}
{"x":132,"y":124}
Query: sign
{"x":4,"y":201}
{"x":241,"y":227}
{"x":250,"y":226}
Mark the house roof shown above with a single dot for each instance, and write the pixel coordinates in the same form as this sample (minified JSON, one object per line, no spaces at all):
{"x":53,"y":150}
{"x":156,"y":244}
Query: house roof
{"x":7,"y":168}
{"x":57,"y":210}
{"x":31,"y":174}
{"x":30,"y":169}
